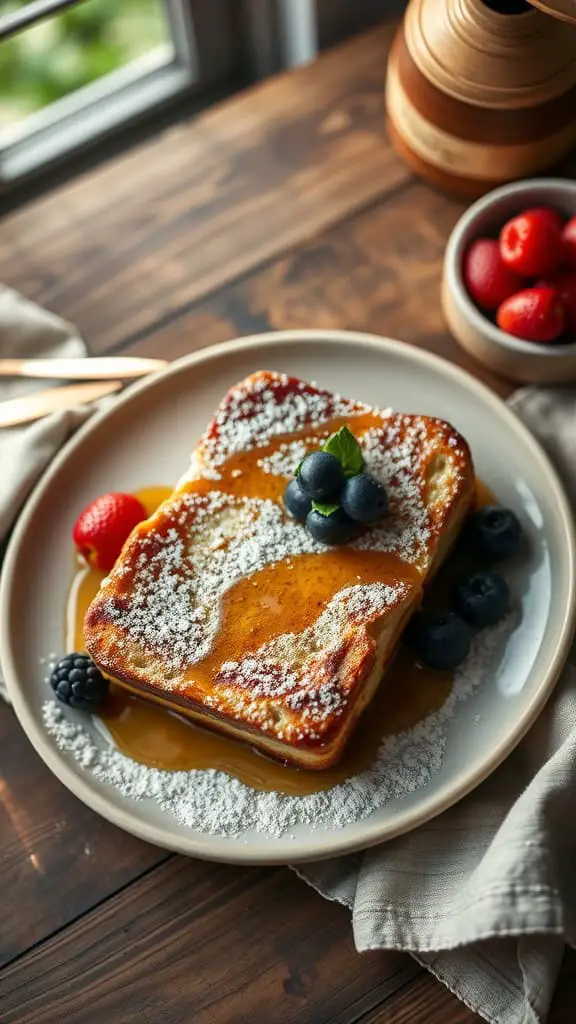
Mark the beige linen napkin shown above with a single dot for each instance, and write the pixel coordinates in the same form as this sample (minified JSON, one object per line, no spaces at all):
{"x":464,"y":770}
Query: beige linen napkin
{"x":28,"y":330}
{"x":485,"y":895}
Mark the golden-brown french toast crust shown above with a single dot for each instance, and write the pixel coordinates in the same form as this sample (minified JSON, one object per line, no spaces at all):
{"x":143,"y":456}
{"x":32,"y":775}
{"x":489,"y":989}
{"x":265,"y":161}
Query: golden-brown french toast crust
{"x":303,"y":698}
{"x":356,"y":651}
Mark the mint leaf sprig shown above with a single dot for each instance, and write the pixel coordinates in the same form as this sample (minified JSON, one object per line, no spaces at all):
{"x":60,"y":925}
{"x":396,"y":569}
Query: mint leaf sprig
{"x":331,"y":492}
{"x":344,"y":446}
{"x":324,"y":510}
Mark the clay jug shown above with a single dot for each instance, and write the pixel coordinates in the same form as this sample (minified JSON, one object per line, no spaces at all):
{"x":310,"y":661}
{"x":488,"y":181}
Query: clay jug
{"x":479,"y":93}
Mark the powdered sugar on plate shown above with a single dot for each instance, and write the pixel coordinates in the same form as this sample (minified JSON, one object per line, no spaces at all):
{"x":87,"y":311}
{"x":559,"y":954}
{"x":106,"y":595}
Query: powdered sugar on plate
{"x":210,"y":801}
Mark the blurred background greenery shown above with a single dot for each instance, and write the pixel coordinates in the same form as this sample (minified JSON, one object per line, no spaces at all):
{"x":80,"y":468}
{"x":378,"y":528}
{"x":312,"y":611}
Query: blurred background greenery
{"x":69,"y":50}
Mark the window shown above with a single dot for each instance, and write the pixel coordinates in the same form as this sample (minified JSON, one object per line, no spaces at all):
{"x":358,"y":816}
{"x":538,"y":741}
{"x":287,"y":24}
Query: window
{"x":73,"y":71}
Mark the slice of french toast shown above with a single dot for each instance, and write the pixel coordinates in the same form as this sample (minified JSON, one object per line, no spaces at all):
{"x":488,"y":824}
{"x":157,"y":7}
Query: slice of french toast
{"x":224,"y":608}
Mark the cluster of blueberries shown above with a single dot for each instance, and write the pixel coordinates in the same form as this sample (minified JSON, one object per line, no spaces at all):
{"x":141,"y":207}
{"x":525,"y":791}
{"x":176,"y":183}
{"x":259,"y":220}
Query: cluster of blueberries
{"x":442,"y":639}
{"x":347,"y":502}
{"x":333,"y":506}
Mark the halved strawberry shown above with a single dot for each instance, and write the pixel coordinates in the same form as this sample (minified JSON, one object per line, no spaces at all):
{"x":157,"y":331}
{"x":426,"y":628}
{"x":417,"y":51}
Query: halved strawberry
{"x":105,"y":524}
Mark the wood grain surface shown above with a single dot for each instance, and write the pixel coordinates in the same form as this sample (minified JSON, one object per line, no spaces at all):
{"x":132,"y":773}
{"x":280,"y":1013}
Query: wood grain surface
{"x":209,"y":200}
{"x":238,"y":938}
{"x":57,"y":858}
{"x":284,"y":207}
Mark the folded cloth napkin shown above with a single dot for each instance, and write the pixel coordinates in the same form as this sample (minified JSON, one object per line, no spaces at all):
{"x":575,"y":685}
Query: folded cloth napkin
{"x":26,"y":330}
{"x":484,"y":896}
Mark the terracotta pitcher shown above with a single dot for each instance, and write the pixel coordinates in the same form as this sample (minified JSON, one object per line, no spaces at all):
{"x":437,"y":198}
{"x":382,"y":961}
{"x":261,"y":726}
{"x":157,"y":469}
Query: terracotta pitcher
{"x":480,"y":92}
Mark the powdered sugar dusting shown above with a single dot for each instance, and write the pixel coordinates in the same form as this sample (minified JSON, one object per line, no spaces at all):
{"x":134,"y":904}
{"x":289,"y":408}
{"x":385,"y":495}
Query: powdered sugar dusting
{"x":264,"y":406}
{"x":406,"y":530}
{"x":215,"y":539}
{"x":289,"y":455}
{"x":302,"y":668}
{"x":181,"y":574}
{"x":211,"y":802}
{"x":165,"y":596}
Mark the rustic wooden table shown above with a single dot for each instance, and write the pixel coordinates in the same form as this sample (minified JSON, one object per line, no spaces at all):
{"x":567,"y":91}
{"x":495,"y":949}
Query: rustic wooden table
{"x":284,"y":207}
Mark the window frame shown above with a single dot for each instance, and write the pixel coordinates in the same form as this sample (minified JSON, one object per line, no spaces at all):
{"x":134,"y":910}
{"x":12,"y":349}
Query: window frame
{"x":121,"y":99}
{"x":219,"y":47}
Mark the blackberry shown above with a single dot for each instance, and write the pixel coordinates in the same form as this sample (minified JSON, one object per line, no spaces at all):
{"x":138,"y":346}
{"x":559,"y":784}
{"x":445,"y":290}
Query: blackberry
{"x":77,"y":682}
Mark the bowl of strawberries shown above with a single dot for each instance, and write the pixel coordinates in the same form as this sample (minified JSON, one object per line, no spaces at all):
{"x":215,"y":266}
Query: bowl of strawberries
{"x":509,"y":284}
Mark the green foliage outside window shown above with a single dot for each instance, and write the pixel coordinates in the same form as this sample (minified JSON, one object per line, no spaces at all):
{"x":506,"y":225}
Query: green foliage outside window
{"x":69,"y":50}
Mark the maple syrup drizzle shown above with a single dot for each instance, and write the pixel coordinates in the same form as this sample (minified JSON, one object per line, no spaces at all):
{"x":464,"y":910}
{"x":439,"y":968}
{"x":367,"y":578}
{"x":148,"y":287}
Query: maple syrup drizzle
{"x":482,"y":494}
{"x":241,"y":473}
{"x":161,"y":738}
{"x":276,"y":600}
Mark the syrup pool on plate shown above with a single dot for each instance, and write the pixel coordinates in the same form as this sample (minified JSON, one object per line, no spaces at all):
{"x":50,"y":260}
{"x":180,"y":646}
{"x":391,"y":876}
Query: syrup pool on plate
{"x":161,"y":738}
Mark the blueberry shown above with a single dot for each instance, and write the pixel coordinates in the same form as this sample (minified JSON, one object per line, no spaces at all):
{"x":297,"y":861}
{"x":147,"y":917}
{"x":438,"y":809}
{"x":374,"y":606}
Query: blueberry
{"x":482,"y":598}
{"x":296,"y":502}
{"x":495,"y":532}
{"x":320,"y":475}
{"x":439,"y":639}
{"x":364,"y":499}
{"x":76,"y":681}
{"x":333,"y":529}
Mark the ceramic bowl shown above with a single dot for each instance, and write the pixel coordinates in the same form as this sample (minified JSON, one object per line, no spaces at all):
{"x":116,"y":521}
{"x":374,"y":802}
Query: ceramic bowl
{"x":524,"y":361}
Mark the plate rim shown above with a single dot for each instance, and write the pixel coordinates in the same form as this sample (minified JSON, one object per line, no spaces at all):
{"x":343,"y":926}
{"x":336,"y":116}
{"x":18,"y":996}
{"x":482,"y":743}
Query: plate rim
{"x":222,"y":848}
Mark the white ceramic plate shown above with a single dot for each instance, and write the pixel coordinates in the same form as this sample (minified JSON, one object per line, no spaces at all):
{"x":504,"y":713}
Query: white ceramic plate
{"x":146,"y":438}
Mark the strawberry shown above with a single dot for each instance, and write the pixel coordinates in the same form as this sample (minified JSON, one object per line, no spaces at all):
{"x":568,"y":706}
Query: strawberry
{"x":531,"y":243}
{"x":488,"y":280}
{"x":535,"y":314}
{"x":101,"y":529}
{"x":564,"y":281}
{"x":569,"y":240}
{"x":546,"y":211}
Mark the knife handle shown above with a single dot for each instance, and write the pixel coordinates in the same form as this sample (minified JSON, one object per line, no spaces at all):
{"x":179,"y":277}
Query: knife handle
{"x":39,"y":403}
{"x":92,"y":368}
